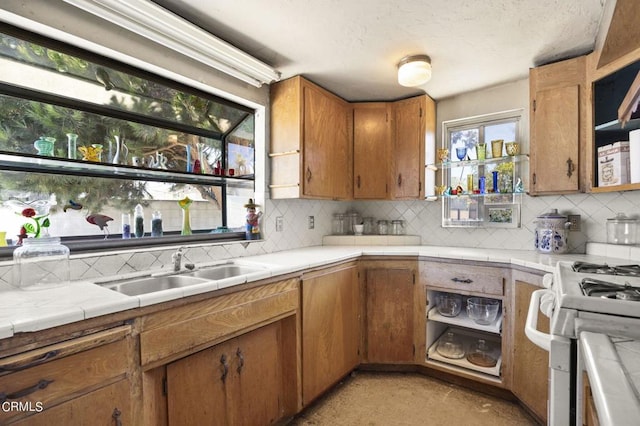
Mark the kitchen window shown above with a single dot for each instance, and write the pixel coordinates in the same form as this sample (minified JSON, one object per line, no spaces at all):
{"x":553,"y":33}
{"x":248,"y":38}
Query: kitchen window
{"x":482,"y":170}
{"x":92,"y":138}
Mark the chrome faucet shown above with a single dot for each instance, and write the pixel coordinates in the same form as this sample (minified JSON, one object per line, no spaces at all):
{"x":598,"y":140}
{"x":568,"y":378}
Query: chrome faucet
{"x":177,"y":259}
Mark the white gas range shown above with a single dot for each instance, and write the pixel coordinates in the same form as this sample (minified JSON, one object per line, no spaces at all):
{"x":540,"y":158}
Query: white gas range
{"x":581,"y":297}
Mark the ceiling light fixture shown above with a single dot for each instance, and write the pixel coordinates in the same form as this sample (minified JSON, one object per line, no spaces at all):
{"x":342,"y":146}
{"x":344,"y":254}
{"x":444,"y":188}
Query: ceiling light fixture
{"x":163,"y":27}
{"x":414,"y":70}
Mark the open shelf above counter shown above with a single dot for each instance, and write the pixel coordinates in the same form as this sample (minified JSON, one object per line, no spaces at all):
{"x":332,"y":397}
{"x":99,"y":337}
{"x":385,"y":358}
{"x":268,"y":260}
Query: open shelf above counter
{"x":616,"y":126}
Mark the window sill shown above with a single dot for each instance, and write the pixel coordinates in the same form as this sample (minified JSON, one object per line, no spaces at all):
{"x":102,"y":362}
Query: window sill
{"x":87,"y":246}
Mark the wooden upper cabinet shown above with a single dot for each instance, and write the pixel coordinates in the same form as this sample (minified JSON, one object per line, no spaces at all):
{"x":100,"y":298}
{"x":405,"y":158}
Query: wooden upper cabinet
{"x":311,"y":142}
{"x":413,"y":119}
{"x":371,"y":150}
{"x":558,"y":130}
{"x":623,"y":32}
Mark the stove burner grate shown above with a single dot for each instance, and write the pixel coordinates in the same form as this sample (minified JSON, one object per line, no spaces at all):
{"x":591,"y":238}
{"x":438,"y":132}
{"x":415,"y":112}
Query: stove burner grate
{"x":594,"y":268}
{"x":598,"y":288}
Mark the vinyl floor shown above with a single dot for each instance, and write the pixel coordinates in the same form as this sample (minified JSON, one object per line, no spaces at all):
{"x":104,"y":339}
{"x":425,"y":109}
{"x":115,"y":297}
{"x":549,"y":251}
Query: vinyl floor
{"x":408,"y":399}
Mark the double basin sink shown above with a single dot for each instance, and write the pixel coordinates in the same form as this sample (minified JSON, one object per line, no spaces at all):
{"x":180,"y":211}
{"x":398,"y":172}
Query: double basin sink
{"x":154,"y":283}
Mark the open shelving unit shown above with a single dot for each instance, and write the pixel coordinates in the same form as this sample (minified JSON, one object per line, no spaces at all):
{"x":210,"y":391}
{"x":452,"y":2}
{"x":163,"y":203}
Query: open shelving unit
{"x":469,"y":332}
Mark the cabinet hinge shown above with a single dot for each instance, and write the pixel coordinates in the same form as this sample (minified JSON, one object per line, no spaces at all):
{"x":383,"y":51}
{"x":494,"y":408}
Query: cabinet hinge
{"x":164,"y":387}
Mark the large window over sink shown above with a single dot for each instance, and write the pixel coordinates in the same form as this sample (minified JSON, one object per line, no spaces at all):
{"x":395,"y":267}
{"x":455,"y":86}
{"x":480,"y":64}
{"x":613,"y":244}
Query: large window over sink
{"x":84,"y":140}
{"x":482,"y":171}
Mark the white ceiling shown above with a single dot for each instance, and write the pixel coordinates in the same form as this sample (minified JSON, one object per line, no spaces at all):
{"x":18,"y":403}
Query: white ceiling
{"x":351,"y":47}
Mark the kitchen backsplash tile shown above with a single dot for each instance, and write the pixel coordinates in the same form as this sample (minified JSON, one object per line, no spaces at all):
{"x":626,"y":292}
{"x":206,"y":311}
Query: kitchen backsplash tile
{"x":422,"y":218}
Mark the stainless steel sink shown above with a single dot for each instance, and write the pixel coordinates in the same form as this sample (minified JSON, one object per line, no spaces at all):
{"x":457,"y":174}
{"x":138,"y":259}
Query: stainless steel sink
{"x":137,"y":286}
{"x":223,"y":271}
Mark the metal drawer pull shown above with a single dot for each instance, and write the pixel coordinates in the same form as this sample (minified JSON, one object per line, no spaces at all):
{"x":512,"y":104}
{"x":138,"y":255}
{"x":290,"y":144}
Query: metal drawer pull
{"x":225,"y":367}
{"x":570,"y":167}
{"x":240,"y":356}
{"x":116,"y":417}
{"x":42,"y":384}
{"x":460,"y":280}
{"x":44,"y":358}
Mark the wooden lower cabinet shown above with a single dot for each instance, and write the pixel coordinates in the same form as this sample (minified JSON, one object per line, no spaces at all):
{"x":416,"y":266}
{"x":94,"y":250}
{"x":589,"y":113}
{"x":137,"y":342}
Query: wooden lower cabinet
{"x":530,"y":363}
{"x":390,"y":324}
{"x":79,"y":381}
{"x":589,"y":412}
{"x":238,"y":382}
{"x":108,"y":406}
{"x":330,"y":328}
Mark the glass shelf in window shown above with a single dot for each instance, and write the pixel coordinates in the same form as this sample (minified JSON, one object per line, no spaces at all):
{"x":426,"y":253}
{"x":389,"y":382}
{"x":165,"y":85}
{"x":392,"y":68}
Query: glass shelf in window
{"x":84,"y":168}
{"x":473,"y":163}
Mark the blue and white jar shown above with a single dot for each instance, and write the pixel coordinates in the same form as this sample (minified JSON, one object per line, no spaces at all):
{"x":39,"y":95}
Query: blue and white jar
{"x":552,"y":233}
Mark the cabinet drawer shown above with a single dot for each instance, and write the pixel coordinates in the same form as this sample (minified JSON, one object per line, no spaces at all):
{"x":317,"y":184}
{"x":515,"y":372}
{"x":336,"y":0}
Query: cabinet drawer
{"x":58,"y":376}
{"x":177,"y":332}
{"x":463,"y":278}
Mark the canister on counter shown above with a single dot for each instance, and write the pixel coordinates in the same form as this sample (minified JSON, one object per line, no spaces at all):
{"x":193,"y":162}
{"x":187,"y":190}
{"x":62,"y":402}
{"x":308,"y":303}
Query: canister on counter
{"x":383,"y":227}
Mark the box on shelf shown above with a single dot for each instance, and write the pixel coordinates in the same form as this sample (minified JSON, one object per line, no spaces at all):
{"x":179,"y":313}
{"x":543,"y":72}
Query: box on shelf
{"x":613,"y":164}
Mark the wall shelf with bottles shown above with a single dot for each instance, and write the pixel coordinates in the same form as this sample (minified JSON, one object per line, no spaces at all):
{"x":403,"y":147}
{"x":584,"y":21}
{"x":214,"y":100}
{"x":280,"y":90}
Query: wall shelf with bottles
{"x":482,"y":193}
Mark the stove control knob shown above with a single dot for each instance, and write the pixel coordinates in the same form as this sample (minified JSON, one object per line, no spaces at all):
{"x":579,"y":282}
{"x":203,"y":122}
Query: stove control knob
{"x":547,"y":280}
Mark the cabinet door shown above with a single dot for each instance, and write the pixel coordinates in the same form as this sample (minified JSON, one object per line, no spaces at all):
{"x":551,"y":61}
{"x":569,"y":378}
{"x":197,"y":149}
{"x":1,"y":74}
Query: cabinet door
{"x":371,"y":146}
{"x":409,"y":146}
{"x":556,"y":126}
{"x":110,"y":405}
{"x":196,"y":391}
{"x":254,"y":391}
{"x":330,"y":329}
{"x":530,"y":363}
{"x":327,"y":147}
{"x":390,"y":319}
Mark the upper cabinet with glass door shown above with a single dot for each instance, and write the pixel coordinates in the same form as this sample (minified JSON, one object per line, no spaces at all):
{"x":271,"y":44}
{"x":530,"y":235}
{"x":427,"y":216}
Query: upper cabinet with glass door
{"x":482,"y":171}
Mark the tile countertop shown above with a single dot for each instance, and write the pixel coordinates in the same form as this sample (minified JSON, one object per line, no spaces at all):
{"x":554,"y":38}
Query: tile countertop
{"x":613,"y":366}
{"x":25,"y":311}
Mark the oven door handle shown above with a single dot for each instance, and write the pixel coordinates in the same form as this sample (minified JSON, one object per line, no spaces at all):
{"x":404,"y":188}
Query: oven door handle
{"x":539,"y":338}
